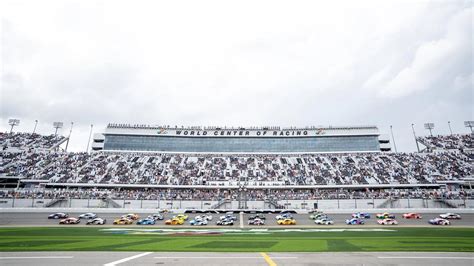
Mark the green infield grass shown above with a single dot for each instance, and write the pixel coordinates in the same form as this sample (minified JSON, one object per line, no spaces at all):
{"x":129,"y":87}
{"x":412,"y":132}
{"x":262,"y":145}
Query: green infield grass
{"x":235,"y":240}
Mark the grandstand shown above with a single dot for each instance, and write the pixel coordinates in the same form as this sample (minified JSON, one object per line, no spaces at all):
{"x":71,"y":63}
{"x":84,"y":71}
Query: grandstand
{"x":30,"y":161}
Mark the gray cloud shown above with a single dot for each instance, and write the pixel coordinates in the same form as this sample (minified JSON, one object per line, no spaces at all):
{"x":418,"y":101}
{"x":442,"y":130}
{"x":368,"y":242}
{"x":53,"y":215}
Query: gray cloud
{"x":251,"y":63}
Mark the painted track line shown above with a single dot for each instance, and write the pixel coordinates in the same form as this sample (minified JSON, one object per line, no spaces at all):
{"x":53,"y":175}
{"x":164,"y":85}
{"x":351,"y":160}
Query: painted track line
{"x":445,"y":258}
{"x":37,"y":257}
{"x":267,"y":258}
{"x":113,"y":263}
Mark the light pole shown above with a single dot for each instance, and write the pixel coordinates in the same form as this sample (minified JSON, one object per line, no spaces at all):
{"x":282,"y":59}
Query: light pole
{"x":449,"y":125}
{"x":393,"y":138}
{"x":36,"y":123}
{"x":89,"y":141}
{"x":469,"y":124}
{"x":414,"y":135}
{"x":57,"y":125}
{"x":68,"y":138}
{"x":430,"y":126}
{"x":13,"y":123}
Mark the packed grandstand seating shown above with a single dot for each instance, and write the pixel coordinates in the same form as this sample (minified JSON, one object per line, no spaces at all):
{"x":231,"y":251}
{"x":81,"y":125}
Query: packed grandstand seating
{"x":252,"y":169}
{"x":231,"y":194}
{"x":16,"y":142}
{"x":448,"y":142}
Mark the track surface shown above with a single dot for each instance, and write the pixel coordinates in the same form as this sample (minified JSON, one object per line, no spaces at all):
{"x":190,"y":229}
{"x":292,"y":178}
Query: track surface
{"x":249,"y":259}
{"x":302,"y":220}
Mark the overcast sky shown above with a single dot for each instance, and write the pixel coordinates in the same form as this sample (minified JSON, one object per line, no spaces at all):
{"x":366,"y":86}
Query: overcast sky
{"x":233,"y":63}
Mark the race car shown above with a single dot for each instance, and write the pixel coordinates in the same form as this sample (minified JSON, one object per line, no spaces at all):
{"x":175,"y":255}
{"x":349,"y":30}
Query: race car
{"x":147,"y":221}
{"x":88,"y":215}
{"x":228,"y":216}
{"x":198,"y":222}
{"x":318,"y":215}
{"x":284,"y":216}
{"x":256,"y":221}
{"x":156,"y":216}
{"x":387,"y":221}
{"x":412,"y":215}
{"x":181,"y":216}
{"x":203,"y":217}
{"x":96,"y":221}
{"x":450,"y":215}
{"x":324,"y":221}
{"x":174,"y":221}
{"x":385,"y":215}
{"x":123,"y":221}
{"x":439,"y":221}
{"x":361,"y":215}
{"x":355,"y":221}
{"x":58,"y":215}
{"x":287,"y":221}
{"x":257,"y":216}
{"x":225,"y":222}
{"x":131,"y":216}
{"x":70,"y":220}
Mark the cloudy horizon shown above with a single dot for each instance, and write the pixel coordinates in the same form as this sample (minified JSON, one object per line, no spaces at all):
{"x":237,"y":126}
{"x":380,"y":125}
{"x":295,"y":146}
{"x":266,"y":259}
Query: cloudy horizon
{"x":246,"y":63}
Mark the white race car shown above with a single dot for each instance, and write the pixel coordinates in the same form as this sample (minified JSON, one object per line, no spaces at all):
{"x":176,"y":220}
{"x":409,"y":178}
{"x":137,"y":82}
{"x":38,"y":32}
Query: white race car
{"x":324,"y":221}
{"x":88,"y":215}
{"x":450,"y":215}
{"x":96,"y":221}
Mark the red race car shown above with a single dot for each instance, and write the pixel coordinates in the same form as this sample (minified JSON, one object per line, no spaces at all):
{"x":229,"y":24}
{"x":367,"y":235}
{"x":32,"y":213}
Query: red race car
{"x":412,"y":215}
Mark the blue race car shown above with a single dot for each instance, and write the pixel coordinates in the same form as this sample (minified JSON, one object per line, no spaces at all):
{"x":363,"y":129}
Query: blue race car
{"x":198,"y":222}
{"x":361,"y":215}
{"x":146,"y":221}
{"x":354,"y":221}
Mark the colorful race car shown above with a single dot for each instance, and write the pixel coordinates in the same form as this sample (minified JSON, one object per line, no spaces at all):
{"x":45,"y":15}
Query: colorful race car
{"x":412,"y":215}
{"x":318,"y":215}
{"x":258,"y":215}
{"x":324,"y":221}
{"x":387,"y":221}
{"x":287,"y":221}
{"x":284,"y":216}
{"x":355,"y":221}
{"x":147,"y":221}
{"x":131,"y":216}
{"x":123,"y":221}
{"x":198,"y":222}
{"x":88,"y":215}
{"x":439,"y":221}
{"x":361,"y":215}
{"x":203,"y":217}
{"x":181,"y":216}
{"x":58,"y":215}
{"x":174,"y":221}
{"x":228,"y":216}
{"x":225,"y":222}
{"x":256,"y":221}
{"x":385,"y":215}
{"x":450,"y":215}
{"x":96,"y":221}
{"x":70,"y":220}
{"x":156,"y":216}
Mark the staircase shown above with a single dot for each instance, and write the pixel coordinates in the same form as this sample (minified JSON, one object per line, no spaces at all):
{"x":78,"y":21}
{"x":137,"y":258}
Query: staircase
{"x":54,"y":203}
{"x":389,"y":203}
{"x":111,"y":203}
{"x":446,"y":204}
{"x":219,"y":204}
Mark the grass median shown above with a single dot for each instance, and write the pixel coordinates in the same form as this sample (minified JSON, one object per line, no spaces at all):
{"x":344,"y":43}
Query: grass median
{"x":443,"y":239}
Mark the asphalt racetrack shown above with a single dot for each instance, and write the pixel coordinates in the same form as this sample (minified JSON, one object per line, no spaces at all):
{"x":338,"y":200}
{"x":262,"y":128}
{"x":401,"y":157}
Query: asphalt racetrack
{"x":248,"y":259}
{"x":302,"y":220}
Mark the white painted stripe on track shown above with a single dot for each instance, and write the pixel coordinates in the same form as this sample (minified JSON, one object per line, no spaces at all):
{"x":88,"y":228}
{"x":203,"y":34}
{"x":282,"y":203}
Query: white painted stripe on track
{"x":113,"y":263}
{"x":222,"y":257}
{"x":36,"y":257}
{"x":445,"y":258}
